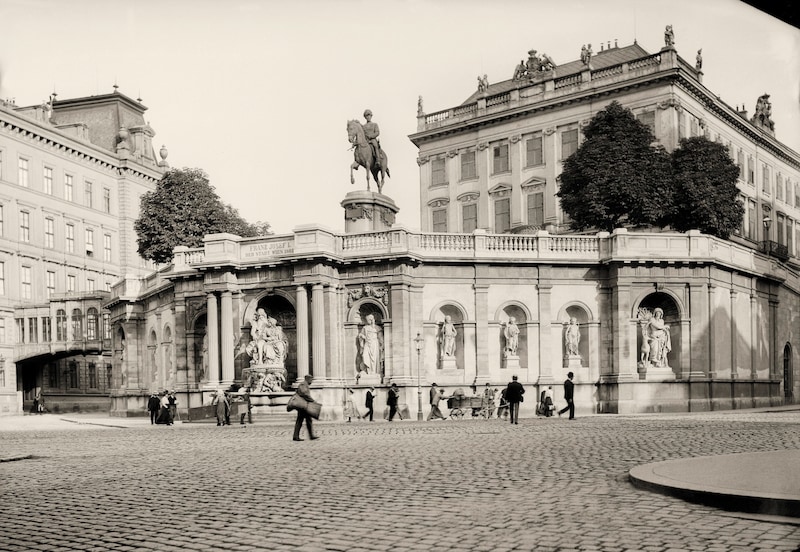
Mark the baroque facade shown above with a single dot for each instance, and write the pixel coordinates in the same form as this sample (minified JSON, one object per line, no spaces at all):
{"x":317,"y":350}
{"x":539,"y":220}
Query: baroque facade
{"x":495,"y":285}
{"x":71,"y":174}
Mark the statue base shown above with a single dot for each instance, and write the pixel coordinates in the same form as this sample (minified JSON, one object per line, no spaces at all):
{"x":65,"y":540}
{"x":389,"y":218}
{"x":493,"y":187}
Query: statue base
{"x":573,"y":362}
{"x":449,"y":363}
{"x":264,"y":378}
{"x":368,"y":212}
{"x":363,"y":378}
{"x":512,"y":362}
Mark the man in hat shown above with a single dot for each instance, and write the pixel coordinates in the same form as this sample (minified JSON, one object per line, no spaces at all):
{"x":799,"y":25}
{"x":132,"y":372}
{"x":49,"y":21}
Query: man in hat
{"x":153,"y":404}
{"x":304,"y":390}
{"x":370,"y":403}
{"x":391,"y":401}
{"x":514,"y":392}
{"x":436,"y":396}
{"x":372,"y":131}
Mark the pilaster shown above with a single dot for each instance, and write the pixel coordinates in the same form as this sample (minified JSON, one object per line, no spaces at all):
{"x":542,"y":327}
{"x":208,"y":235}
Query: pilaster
{"x":212,"y":328}
{"x":302,"y":332}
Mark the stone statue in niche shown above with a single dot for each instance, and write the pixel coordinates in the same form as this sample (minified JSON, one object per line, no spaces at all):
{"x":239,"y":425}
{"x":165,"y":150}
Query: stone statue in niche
{"x":268,"y":343}
{"x":511,"y":333}
{"x":572,"y":337}
{"x":370,"y":345}
{"x":656,"y":340}
{"x":448,"y":337}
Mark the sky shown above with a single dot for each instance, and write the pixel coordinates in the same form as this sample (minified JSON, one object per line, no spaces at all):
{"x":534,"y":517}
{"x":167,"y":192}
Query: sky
{"x":258,"y":92}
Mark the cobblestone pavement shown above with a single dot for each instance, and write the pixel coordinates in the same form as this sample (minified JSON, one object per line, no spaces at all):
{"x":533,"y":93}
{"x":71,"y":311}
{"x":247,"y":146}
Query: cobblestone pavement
{"x":470,"y":485}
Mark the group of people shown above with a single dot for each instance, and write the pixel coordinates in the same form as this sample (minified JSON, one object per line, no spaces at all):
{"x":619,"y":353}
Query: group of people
{"x":163,"y":407}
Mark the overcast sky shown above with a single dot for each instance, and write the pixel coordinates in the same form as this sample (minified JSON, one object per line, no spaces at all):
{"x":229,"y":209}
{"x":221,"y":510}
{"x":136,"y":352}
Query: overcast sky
{"x":258,"y":93}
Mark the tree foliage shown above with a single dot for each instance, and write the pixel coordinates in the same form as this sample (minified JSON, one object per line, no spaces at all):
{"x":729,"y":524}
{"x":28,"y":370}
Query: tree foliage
{"x":617,"y":177}
{"x":181,"y":210}
{"x":706,"y":197}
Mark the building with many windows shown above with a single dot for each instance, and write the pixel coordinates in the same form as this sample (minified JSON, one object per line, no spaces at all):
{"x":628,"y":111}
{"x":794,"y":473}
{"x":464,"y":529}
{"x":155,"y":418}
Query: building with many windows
{"x":71,"y":175}
{"x":495,"y":285}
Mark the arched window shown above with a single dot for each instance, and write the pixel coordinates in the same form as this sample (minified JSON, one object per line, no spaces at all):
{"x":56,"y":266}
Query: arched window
{"x":77,"y":324}
{"x":61,"y":325}
{"x":91,"y":323}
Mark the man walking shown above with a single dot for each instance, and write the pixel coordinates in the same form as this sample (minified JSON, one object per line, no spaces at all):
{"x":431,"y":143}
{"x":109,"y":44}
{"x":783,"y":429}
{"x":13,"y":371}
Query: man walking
{"x":391,"y":401}
{"x":514,"y":393}
{"x":153,"y":404}
{"x":436,"y":396}
{"x":304,"y":390}
{"x":370,"y":403}
{"x":569,"y":389}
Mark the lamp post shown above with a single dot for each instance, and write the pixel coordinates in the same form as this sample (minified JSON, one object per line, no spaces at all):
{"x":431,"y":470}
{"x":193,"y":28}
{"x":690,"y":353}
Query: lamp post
{"x":419,"y":342}
{"x":767,"y":222}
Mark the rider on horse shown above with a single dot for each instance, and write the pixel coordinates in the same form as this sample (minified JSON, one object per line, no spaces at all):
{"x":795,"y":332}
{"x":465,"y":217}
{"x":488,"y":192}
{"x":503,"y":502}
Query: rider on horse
{"x":371,"y":131}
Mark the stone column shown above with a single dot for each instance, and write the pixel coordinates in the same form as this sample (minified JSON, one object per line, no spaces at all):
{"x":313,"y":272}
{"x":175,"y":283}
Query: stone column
{"x":482,"y":374}
{"x":698,"y":299}
{"x":734,"y":337}
{"x":213,"y":341}
{"x":318,"y":330}
{"x":545,"y":333}
{"x":753,"y":336}
{"x":302,"y":332}
{"x":712,"y":331}
{"x":624,"y":352}
{"x":226,"y":338}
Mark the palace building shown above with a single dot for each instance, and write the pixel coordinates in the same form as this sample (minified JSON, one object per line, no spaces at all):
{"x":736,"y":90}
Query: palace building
{"x":647,"y":321}
{"x":71,"y":174}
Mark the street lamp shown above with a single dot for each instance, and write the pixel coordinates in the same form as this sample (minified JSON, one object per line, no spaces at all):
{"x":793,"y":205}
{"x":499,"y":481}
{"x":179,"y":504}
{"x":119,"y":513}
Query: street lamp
{"x":767,"y":222}
{"x":419,"y":342}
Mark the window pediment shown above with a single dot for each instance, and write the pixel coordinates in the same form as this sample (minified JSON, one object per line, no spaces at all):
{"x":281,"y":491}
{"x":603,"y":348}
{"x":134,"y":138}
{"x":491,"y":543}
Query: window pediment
{"x":533,"y":183}
{"x":500,"y":190}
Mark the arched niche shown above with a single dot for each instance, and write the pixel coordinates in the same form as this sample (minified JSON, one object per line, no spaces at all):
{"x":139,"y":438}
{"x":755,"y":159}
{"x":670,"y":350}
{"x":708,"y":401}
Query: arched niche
{"x":356,"y":320}
{"x":151,"y":382}
{"x":169,"y":363}
{"x":198,"y":347}
{"x":521,"y":316}
{"x":582,"y":315}
{"x":279,"y":305}
{"x":671,"y":309}
{"x":457,"y":314}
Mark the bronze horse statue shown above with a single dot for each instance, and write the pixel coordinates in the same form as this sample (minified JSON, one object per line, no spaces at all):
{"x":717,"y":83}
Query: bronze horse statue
{"x":364,"y":157}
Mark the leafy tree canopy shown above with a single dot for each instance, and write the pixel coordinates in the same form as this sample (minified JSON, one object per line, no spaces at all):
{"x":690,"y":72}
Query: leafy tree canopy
{"x":706,"y":197}
{"x":616,"y":177}
{"x":181,"y":210}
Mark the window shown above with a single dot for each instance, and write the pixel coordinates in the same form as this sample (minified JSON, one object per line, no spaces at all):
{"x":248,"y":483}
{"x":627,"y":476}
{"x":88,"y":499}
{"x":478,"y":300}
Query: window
{"x":107,"y":247}
{"x":1,"y":220}
{"x":91,"y":323}
{"x":2,"y":278}
{"x":106,"y":325}
{"x":106,"y":200}
{"x":52,"y":372}
{"x":20,"y":330}
{"x":24,"y":226}
{"x":91,"y":374}
{"x":71,"y":283}
{"x":766,"y":185}
{"x":73,"y":374}
{"x":468,"y":169}
{"x":2,"y":331}
{"x":439,"y":220}
{"x":502,"y":215}
{"x":789,"y":234}
{"x":438,"y":176}
{"x":648,"y":118}
{"x":70,"y":238}
{"x":751,"y":172}
{"x":33,"y":330}
{"x":740,"y":163}
{"x":2,"y":373}
{"x":536,"y":209}
{"x":89,"y":284}
{"x":796,"y":194}
{"x":49,"y":233}
{"x":51,"y":283}
{"x":779,"y":186}
{"x":77,"y":324}
{"x":61,"y":325}
{"x":47,"y":329}
{"x":469,"y":216}
{"x":25,"y":281}
{"x":89,"y":241}
{"x":751,"y":219}
{"x":87,"y":194}
{"x":500,"y":159}
{"x":694,"y":128}
{"x":68,"y":187}
{"x":47,"y":181}
{"x":533,"y":151}
{"x":682,"y":130}
{"x":108,"y":286}
{"x":109,"y":375}
{"x":22,"y":173}
{"x":569,"y":143}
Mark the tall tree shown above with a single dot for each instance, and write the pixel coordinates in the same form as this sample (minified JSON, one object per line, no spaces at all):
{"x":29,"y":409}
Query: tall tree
{"x":617,"y":177}
{"x":706,"y":197}
{"x":181,"y":210}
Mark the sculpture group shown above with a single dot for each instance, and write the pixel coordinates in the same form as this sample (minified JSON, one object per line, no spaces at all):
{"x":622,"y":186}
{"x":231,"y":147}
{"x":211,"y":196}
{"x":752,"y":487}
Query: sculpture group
{"x":656,"y":340}
{"x":367,"y":150}
{"x":534,"y":65}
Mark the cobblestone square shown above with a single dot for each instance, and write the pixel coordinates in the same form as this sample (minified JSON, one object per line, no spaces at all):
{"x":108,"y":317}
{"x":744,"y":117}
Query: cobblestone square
{"x":471,"y":485}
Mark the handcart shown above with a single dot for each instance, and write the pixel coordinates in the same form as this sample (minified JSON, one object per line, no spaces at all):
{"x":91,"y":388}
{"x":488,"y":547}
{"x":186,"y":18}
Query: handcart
{"x":460,"y":405}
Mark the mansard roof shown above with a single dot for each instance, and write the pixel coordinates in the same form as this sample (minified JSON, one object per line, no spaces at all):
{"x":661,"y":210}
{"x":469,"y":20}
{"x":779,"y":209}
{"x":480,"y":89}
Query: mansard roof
{"x":600,"y":60}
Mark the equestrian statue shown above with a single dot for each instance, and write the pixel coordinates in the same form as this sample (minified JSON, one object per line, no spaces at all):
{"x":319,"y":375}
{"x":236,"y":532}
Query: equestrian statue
{"x":367,"y":150}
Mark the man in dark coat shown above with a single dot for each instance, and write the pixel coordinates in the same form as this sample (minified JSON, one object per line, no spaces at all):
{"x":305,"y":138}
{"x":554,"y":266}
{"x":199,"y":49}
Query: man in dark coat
{"x":391,"y":401}
{"x":569,"y":389}
{"x":304,"y":390}
{"x":370,"y":403}
{"x":514,"y":392}
{"x":153,"y":404}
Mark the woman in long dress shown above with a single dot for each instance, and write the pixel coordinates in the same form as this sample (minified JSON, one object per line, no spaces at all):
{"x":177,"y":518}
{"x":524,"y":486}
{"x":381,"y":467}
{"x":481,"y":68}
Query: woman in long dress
{"x":350,"y":410}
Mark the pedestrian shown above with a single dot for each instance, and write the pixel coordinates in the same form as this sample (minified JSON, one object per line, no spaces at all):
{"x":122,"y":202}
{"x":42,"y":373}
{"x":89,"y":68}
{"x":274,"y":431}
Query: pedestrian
{"x":222,"y":407}
{"x":502,"y":410}
{"x":569,"y":390}
{"x":35,"y":406}
{"x":370,"y":403}
{"x":304,"y":391}
{"x":436,"y":395}
{"x":391,"y":401}
{"x":514,"y":396}
{"x":163,"y":409}
{"x":229,"y":401}
{"x":487,"y":401}
{"x":153,"y":404}
{"x":350,"y":410}
{"x":172,"y":403}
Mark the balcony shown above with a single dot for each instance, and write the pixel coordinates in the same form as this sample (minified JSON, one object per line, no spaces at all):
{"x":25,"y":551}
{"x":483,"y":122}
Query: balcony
{"x":774,"y":249}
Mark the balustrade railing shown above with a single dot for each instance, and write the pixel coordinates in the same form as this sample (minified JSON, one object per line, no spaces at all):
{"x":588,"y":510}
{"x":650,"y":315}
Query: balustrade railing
{"x":567,"y":81}
{"x":446,"y":242}
{"x":512,"y":243}
{"x":574,"y":244}
{"x":648,"y":61}
{"x":499,"y":99}
{"x":607,"y":72}
{"x":358,"y":242}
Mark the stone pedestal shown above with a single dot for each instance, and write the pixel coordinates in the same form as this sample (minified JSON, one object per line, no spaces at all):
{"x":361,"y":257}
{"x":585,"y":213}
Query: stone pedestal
{"x":449,"y":363}
{"x":512,"y":362}
{"x":368,"y":379}
{"x":368,"y":212}
{"x":573,"y":363}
